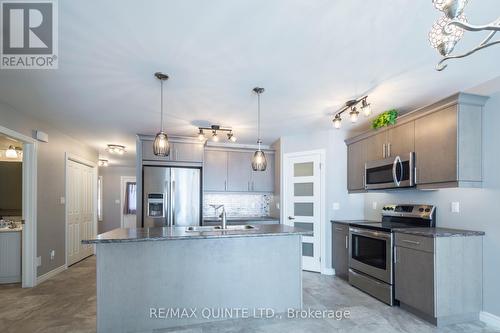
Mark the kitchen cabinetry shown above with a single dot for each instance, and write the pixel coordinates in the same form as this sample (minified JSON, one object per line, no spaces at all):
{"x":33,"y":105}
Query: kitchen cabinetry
{"x":439,"y":278}
{"x":231,"y":171}
{"x":445,"y":136}
{"x":341,"y":249}
{"x":179,"y":151}
{"x":10,"y":256}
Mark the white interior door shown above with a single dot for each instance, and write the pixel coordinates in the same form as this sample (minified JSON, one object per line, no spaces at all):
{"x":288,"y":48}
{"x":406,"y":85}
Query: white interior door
{"x":127,"y":220}
{"x":80,"y":210}
{"x":302,"y":200}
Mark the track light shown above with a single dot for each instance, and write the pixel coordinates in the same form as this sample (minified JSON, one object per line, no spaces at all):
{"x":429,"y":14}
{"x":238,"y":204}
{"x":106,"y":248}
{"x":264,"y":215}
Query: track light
{"x":337,"y":121}
{"x":231,"y":137}
{"x":215,"y":137}
{"x":216,"y":129}
{"x":353,"y":115}
{"x":366,"y":108}
{"x":201,"y":135}
{"x":353,"y":111}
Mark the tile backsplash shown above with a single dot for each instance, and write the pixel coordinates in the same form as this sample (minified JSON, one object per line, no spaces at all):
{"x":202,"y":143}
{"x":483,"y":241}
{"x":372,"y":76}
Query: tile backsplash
{"x":237,"y":205}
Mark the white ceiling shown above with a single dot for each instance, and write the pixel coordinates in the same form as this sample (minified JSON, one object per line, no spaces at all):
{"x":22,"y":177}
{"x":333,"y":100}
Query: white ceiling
{"x":311,"y":56}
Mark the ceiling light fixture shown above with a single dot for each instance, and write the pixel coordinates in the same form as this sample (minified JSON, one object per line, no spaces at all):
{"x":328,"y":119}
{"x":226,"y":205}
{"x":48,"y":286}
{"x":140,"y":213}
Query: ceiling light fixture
{"x":449,"y":29}
{"x":259,"y":162}
{"x":11,"y":152}
{"x":353,"y":111}
{"x":161,"y":146}
{"x":103,"y":162}
{"x":116,"y":149}
{"x":216,"y":129}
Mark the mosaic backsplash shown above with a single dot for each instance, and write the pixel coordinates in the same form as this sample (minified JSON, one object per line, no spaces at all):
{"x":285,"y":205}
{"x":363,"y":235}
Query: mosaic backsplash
{"x":237,"y":205}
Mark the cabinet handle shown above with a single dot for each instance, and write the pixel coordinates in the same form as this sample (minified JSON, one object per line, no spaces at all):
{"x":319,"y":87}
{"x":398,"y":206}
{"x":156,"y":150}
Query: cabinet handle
{"x":415,"y":175}
{"x":346,"y":241}
{"x":389,"y":149}
{"x":225,"y":185}
{"x":411,"y":242}
{"x":395,"y":254}
{"x":384,"y":154}
{"x":339,"y":229}
{"x":291,"y":218}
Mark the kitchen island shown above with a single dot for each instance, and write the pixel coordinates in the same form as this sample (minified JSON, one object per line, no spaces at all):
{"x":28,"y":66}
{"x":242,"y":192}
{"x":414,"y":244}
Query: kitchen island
{"x":154,"y":278}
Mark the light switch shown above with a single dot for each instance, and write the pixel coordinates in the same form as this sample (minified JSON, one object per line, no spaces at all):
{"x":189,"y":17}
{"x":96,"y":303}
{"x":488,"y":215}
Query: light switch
{"x":38,"y":261}
{"x":62,"y":200}
{"x":117,"y":201}
{"x":336,"y":206}
{"x":374,"y":205}
{"x":455,"y":207}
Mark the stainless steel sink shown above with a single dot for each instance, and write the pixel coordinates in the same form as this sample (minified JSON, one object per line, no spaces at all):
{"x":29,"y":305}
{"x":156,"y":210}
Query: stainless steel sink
{"x":219,"y":228}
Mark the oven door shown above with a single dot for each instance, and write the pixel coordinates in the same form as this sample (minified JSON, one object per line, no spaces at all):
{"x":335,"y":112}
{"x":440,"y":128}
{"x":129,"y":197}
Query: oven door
{"x":393,"y":172}
{"x":371,"y":253}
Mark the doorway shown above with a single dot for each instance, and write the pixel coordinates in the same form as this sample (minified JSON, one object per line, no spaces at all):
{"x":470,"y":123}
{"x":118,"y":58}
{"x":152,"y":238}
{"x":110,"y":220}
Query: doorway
{"x":128,"y":209}
{"x":303,"y":202}
{"x":81,"y":210}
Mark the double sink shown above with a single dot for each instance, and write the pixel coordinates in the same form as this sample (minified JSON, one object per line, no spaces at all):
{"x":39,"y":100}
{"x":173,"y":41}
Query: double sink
{"x":245,"y":227}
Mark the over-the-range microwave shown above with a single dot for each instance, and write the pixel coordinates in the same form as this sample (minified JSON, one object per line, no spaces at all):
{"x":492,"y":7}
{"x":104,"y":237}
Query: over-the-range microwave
{"x":390,"y":173}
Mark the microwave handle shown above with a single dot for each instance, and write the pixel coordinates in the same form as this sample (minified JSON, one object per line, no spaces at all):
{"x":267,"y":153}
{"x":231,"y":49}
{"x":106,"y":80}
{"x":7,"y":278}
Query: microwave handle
{"x":397,"y":161}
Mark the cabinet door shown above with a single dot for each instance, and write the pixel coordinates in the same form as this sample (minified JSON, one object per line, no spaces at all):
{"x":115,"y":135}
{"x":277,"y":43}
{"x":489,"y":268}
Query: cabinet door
{"x":187,"y":152}
{"x":341,"y":250}
{"x":263,"y":181}
{"x":375,"y":147}
{"x":356,"y":166}
{"x":414,"y":279}
{"x":436,"y":147}
{"x":147,"y":152}
{"x":215,"y":171}
{"x":401,"y":139}
{"x":239,"y":172}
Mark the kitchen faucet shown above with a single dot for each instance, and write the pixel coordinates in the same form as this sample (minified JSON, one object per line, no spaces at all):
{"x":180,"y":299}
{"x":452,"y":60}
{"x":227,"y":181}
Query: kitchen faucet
{"x":223,"y":218}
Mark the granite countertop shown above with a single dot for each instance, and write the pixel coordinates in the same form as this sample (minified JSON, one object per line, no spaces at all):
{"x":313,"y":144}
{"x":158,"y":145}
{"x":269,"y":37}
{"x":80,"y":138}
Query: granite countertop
{"x":122,"y":235}
{"x":439,"y":232}
{"x":241,"y":218}
{"x":17,"y":229}
{"x":353,"y":221}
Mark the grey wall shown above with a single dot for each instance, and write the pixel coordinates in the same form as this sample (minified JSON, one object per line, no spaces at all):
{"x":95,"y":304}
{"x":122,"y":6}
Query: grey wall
{"x":478,"y":207}
{"x":111,"y":179}
{"x":351,"y":207}
{"x":51,"y":182}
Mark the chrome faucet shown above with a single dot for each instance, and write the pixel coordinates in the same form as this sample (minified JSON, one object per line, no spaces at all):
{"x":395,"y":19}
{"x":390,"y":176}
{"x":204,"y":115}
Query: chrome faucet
{"x":223,"y":218}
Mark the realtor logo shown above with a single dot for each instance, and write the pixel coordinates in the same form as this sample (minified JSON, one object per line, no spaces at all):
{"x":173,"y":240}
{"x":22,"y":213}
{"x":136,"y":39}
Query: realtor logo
{"x":29,"y":35}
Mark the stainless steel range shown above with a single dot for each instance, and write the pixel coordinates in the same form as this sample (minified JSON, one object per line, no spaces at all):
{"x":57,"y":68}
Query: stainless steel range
{"x":371,"y":250}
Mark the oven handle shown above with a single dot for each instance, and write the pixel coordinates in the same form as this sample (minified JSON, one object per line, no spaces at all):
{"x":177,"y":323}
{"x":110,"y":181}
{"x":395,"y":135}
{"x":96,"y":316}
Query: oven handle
{"x":373,"y":234}
{"x":397,"y":161}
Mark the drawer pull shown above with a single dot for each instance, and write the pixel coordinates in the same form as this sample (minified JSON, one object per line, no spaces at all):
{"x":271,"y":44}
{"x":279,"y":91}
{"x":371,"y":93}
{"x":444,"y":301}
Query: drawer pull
{"x":339,"y":229}
{"x":411,"y":242}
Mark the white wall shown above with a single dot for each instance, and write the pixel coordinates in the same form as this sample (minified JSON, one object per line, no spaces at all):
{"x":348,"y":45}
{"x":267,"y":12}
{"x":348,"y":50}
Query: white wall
{"x":478,"y":207}
{"x":332,"y":141}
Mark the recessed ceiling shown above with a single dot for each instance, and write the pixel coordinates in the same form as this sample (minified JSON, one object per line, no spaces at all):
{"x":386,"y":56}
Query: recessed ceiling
{"x":311,"y":56}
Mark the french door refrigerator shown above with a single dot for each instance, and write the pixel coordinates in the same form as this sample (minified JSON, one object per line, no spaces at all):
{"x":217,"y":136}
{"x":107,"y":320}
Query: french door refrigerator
{"x":171,"y":196}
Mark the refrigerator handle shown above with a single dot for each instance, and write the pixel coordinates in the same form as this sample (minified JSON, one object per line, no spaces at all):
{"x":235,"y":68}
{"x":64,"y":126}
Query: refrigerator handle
{"x":172,"y":200}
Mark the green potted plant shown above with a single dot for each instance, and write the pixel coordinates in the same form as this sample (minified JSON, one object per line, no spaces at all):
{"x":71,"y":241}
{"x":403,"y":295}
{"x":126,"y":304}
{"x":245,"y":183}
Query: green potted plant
{"x":386,"y":118}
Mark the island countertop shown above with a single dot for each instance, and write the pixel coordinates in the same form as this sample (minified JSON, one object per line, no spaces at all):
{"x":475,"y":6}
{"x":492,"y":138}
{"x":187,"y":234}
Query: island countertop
{"x":123,"y":235}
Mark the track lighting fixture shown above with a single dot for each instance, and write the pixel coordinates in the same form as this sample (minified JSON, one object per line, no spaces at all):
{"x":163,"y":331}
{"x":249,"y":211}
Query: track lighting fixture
{"x":215,"y":130}
{"x":353,"y":111}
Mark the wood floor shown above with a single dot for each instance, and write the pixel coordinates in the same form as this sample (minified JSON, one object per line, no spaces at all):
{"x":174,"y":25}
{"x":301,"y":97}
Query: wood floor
{"x":67,"y":303}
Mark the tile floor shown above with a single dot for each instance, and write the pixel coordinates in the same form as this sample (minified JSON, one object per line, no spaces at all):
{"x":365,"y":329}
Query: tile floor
{"x":66,"y":303}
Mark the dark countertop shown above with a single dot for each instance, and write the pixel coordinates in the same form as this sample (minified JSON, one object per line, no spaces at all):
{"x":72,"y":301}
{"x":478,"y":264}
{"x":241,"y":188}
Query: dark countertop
{"x":123,"y":235}
{"x":439,"y":232}
{"x":353,"y":221}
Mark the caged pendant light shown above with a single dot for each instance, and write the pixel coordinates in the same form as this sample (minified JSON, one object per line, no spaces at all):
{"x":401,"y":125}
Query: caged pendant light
{"x":259,"y":162}
{"x":161,"y":146}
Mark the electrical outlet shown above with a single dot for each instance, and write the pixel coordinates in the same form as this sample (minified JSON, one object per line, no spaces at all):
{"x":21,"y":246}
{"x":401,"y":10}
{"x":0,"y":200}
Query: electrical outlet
{"x":62,"y":200}
{"x":277,"y":205}
{"x":52,"y":254}
{"x":117,"y":201}
{"x":455,"y":207}
{"x":374,"y":205}
{"x":336,"y":206}
{"x":38,"y":261}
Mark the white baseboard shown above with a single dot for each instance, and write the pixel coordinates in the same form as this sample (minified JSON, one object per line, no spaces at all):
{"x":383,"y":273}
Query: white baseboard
{"x":489,"y":319}
{"x":50,"y":274}
{"x":328,"y":271}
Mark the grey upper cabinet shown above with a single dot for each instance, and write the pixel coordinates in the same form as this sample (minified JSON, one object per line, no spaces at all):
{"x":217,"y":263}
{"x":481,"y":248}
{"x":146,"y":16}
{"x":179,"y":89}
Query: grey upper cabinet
{"x":401,"y":139}
{"x":187,"y":152}
{"x":147,"y":152}
{"x":356,"y":166}
{"x":432,"y":281}
{"x":215,"y":171}
{"x":341,"y":249}
{"x":376,"y":147}
{"x":239,"y":171}
{"x":263,"y":181}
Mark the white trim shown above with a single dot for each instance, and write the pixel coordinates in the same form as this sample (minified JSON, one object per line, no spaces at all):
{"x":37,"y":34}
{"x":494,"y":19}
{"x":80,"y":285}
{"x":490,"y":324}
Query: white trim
{"x":29,"y":246}
{"x":328,"y":271}
{"x":93,"y":165}
{"x":123,"y":181}
{"x":50,"y":274}
{"x":489,"y":319}
{"x":322,"y":157}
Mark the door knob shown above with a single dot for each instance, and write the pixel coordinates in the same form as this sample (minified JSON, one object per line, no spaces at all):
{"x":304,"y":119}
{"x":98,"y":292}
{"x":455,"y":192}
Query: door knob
{"x":291,"y":218}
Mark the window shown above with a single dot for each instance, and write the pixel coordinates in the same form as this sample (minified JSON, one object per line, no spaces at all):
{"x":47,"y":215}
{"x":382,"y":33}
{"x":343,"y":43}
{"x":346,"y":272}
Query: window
{"x":130,"y":206}
{"x":99,"y":198}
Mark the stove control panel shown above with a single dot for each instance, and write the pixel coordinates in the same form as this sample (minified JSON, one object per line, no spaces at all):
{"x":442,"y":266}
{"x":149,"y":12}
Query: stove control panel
{"x":411,"y":210}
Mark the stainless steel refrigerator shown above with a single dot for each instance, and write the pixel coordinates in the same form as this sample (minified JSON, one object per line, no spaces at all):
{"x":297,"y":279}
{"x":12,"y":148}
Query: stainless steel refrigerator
{"x":171,"y":196}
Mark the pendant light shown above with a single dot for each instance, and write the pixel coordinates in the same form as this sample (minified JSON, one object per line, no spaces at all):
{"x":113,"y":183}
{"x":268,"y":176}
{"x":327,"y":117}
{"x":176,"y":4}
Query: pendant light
{"x":161,"y":146}
{"x":11,"y":152}
{"x":259,"y":162}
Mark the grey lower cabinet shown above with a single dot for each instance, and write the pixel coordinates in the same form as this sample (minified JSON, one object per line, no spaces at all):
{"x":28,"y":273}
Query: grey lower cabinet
{"x":439,"y":278}
{"x":10,"y":257}
{"x":231,"y":171}
{"x":340,"y":235}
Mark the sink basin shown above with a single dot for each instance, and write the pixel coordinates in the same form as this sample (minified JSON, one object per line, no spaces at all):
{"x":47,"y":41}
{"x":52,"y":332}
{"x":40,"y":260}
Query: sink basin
{"x":219,"y":228}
